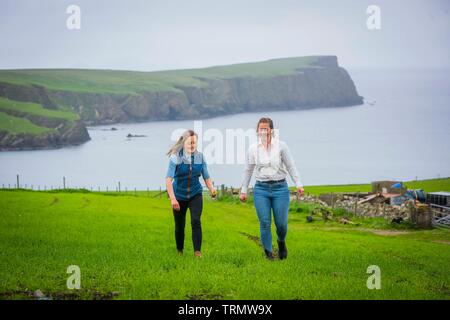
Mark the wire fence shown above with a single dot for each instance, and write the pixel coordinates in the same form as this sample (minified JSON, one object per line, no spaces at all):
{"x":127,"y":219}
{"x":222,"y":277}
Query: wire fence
{"x":119,"y":187}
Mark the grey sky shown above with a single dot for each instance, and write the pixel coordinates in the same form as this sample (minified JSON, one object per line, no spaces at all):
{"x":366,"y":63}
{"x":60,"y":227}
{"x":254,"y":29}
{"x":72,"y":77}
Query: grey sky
{"x":169,"y":34}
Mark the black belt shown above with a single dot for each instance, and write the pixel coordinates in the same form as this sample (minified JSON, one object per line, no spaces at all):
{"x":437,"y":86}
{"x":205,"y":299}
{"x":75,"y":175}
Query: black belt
{"x":272,"y":181}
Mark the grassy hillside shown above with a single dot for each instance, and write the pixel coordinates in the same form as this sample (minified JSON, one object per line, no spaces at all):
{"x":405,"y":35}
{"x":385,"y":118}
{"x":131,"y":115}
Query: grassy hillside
{"x":18,"y":117}
{"x":36,"y":109}
{"x":16,"y":125}
{"x":114,"y":81}
{"x":125,"y":249}
{"x":428,"y":185}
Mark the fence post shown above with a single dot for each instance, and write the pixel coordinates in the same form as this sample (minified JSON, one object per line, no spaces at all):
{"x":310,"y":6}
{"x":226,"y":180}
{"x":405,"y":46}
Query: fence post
{"x":119,"y":186}
{"x":332,"y":200}
{"x":18,"y":182}
{"x":64,"y":182}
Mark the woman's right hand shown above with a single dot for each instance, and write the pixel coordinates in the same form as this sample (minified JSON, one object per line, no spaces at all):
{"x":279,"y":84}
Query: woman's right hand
{"x":175,"y":204}
{"x":243,"y":197}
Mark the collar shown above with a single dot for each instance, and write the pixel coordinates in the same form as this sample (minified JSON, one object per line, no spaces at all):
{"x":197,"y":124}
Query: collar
{"x":260,"y":144}
{"x":188,"y":158}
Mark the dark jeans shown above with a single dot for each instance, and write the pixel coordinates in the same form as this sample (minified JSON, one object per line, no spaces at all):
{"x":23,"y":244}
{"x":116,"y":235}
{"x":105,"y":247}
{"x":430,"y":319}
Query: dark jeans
{"x":195,"y":205}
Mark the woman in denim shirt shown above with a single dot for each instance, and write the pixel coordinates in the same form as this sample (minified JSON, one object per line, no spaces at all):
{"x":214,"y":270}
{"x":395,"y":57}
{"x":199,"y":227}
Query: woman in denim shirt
{"x":186,"y":165}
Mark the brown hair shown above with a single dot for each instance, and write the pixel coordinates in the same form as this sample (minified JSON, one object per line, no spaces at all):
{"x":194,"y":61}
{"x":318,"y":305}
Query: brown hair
{"x":265,"y":120}
{"x":180,"y":142}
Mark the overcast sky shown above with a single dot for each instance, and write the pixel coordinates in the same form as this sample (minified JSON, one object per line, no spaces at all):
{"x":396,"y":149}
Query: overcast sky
{"x":167,"y":34}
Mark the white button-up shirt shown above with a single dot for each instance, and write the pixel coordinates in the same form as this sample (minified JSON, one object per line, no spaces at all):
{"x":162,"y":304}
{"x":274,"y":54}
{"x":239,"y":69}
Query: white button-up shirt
{"x":269,"y":164}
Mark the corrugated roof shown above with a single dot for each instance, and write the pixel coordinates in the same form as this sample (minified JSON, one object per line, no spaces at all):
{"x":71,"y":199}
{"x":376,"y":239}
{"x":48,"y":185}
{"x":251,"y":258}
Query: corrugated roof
{"x":440,"y":193}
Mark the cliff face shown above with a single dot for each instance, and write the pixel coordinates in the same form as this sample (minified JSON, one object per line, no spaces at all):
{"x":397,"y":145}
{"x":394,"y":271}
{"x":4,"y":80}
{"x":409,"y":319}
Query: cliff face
{"x":309,"y":88}
{"x":327,"y":85}
{"x":104,"y":108}
{"x":32,"y":93}
{"x":324,"y":84}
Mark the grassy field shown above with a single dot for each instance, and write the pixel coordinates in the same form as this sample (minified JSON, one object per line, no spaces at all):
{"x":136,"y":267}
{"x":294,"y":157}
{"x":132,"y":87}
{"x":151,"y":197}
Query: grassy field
{"x":116,"y":81}
{"x":429,"y":185}
{"x":124,"y":246}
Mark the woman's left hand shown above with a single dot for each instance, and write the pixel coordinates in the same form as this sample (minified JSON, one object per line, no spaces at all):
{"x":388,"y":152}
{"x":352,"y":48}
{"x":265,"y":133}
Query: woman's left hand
{"x":300,"y":191}
{"x":213,"y":193}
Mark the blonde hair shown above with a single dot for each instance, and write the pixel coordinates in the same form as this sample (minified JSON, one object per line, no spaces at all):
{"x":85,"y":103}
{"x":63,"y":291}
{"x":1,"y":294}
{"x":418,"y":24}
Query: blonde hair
{"x":180,"y":142}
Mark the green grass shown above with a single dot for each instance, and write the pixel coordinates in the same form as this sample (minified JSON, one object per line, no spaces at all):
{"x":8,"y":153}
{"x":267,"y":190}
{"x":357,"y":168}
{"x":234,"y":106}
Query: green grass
{"x":428,"y":185}
{"x":126,"y":82}
{"x":15,"y":125}
{"x":36,"y":109}
{"x":125,"y":244}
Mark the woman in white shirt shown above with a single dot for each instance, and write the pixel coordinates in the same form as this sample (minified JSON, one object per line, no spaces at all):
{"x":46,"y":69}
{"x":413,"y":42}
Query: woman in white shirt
{"x":272,"y":161}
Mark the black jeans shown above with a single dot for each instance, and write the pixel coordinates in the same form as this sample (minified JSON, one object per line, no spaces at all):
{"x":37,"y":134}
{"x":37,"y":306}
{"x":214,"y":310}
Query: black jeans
{"x":195,"y":205}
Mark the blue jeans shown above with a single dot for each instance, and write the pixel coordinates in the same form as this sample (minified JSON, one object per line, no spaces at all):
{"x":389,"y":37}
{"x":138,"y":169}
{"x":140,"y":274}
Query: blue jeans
{"x":268,"y":197}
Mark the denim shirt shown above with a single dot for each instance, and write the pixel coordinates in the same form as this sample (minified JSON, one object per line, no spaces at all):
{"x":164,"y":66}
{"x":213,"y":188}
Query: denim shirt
{"x":186,"y":172}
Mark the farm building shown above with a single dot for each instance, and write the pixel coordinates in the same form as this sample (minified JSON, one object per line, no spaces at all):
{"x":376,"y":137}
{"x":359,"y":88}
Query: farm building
{"x":388,"y":187}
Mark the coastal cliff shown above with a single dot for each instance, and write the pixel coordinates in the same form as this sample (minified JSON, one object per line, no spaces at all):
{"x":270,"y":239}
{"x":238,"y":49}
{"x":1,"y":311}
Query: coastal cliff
{"x":99,"y":97}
